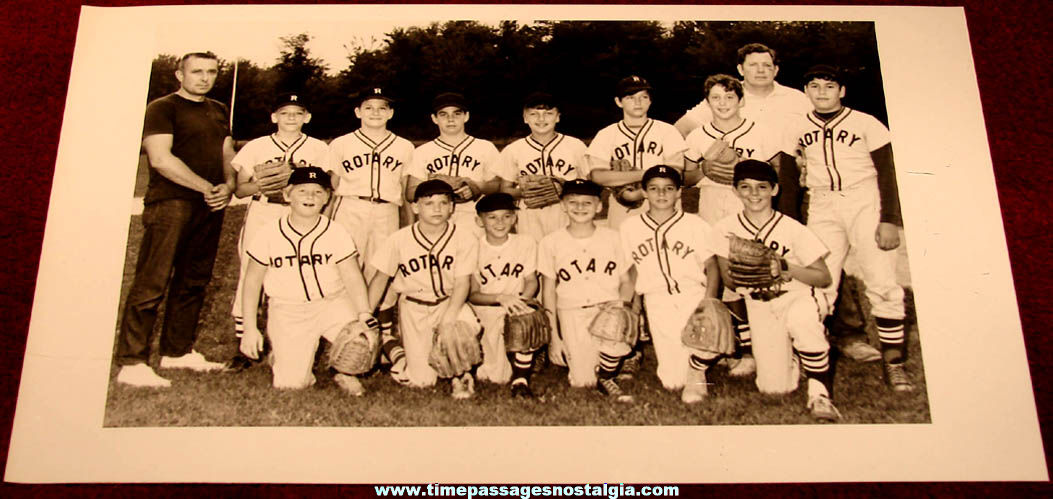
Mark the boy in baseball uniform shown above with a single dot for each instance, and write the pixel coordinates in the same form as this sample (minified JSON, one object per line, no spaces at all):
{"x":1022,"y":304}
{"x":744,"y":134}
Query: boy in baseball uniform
{"x":544,"y":152}
{"x":429,"y":264}
{"x":583,"y":270}
{"x":368,"y":167}
{"x":675,"y":270}
{"x":505,"y":276}
{"x":620,"y":153}
{"x":288,"y":144}
{"x":465,"y":162}
{"x":789,"y":318}
{"x":306,"y":265}
{"x":854,"y":205}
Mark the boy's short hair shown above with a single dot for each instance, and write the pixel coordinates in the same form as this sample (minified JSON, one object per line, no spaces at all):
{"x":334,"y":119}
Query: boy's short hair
{"x":289,"y":99}
{"x":581,"y":187}
{"x":431,"y":188}
{"x":755,"y":170}
{"x":494,"y":202}
{"x":374,"y":92}
{"x":540,"y":100}
{"x":824,"y":72}
{"x":310,"y":175}
{"x":662,"y":171}
{"x":756,"y":48}
{"x":730,"y":84}
{"x":630,"y":85}
{"x":448,"y":99}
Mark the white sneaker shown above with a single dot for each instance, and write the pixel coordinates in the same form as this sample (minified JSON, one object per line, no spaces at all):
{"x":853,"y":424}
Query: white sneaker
{"x":141,"y":375}
{"x":745,"y":366}
{"x":463,"y":387}
{"x":193,"y":360}
{"x":349,"y":384}
{"x":861,"y":351}
{"x":398,"y":372}
{"x":823,"y":408}
{"x":695,"y":389}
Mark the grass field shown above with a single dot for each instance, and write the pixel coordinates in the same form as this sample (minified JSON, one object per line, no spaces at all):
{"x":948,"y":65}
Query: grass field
{"x":246,"y":399}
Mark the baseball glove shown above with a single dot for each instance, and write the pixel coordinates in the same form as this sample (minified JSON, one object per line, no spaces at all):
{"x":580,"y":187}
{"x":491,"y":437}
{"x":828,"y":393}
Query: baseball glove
{"x":355,"y":349}
{"x":622,"y":193}
{"x":540,"y":191}
{"x":458,"y":184}
{"x":615,"y":322}
{"x":272,"y":177}
{"x":527,"y":332}
{"x":709,"y":328}
{"x":454,"y":350}
{"x":718,"y":162}
{"x":753,"y":264}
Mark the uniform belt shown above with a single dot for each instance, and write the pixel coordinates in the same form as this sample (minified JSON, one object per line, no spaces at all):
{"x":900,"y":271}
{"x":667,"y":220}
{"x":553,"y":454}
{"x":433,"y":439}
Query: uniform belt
{"x":426,"y":303}
{"x":767,"y":294}
{"x":260,"y":197}
{"x":372,"y":199}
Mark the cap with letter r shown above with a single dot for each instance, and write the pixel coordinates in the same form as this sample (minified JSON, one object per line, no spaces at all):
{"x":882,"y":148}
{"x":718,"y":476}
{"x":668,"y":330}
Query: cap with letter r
{"x":630,"y":85}
{"x":373,"y":92}
{"x":662,"y":171}
{"x":581,"y":187}
{"x":310,"y":175}
{"x":431,"y":188}
{"x":824,"y":72}
{"x":290,"y":99}
{"x":448,"y":99}
{"x":494,"y":202}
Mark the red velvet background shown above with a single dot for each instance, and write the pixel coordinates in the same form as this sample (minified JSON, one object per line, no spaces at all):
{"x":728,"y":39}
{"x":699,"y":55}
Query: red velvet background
{"x":1010,"y":43}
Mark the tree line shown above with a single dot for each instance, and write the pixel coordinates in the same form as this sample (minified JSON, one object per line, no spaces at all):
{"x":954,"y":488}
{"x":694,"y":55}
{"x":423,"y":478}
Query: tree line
{"x":496,"y":66}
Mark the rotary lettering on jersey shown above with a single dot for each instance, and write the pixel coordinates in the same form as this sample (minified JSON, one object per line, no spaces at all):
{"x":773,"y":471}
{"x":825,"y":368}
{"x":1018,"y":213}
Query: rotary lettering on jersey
{"x":371,"y":159}
{"x":644,"y":147}
{"x":843,"y":136}
{"x":443,"y":164}
{"x":576,"y":268}
{"x":425,"y":262}
{"x":648,"y":246}
{"x":489,"y":271}
{"x":303,"y":260}
{"x":540,"y":165}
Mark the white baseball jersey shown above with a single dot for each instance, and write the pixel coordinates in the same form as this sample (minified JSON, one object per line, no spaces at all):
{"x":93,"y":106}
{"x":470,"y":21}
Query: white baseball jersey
{"x":473,"y":158}
{"x":751,"y":140}
{"x":563,"y":157}
{"x":302,"y":267}
{"x":643,"y":147}
{"x":368,"y":168}
{"x":670,"y":257}
{"x":837,"y":151}
{"x":502,"y":268}
{"x":784,"y":235}
{"x":587,"y":271}
{"x":304,"y":151}
{"x":423,"y":268}
{"x":780,"y":105}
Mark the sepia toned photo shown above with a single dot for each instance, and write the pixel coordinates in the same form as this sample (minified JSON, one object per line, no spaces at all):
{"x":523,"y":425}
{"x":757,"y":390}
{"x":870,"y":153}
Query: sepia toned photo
{"x":439,"y":233}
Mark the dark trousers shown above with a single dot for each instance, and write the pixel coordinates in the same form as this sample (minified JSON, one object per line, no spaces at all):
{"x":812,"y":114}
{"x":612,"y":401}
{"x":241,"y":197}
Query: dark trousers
{"x":178,"y":250}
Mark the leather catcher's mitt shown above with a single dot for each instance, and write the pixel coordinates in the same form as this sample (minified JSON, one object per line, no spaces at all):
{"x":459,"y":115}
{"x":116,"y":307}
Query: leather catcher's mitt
{"x":709,"y":328}
{"x":718,"y":162}
{"x":272,"y":177}
{"x":753,"y":264}
{"x":456,"y":183}
{"x":527,"y":332}
{"x":355,"y":349}
{"x":540,"y":191}
{"x":615,"y":322}
{"x":454,"y":350}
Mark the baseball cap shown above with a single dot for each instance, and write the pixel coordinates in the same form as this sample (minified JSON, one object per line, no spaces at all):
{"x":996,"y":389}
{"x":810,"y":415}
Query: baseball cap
{"x":494,"y":202}
{"x":543,"y":100}
{"x":310,"y":175}
{"x":448,"y":99}
{"x":580,"y":186}
{"x":755,"y":170}
{"x":823,"y":72}
{"x":663,"y":172}
{"x":630,"y":85}
{"x":431,"y":188}
{"x":374,"y":92}
{"x":289,"y":98}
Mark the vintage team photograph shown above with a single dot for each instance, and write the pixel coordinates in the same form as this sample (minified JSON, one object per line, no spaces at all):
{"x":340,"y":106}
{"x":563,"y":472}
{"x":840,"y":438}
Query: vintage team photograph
{"x":517,"y":223}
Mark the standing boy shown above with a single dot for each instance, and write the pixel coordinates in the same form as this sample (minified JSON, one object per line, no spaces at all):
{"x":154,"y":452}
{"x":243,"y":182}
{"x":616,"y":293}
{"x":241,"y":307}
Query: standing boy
{"x":431,"y":262}
{"x":462,"y":161}
{"x":306,"y":263}
{"x":288,"y":145}
{"x":545,"y":153}
{"x":583,"y":270}
{"x":854,"y":205}
{"x":675,"y":270}
{"x":506,"y":275}
{"x":792,"y":313}
{"x":620,"y":153}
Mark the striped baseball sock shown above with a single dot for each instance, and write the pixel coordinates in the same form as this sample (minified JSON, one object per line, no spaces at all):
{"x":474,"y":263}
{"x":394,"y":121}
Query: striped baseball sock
{"x":892,"y":334}
{"x":699,"y":364}
{"x":816,"y":366}
{"x":608,"y":367}
{"x":740,"y":322}
{"x":522,"y":366}
{"x":239,"y":327}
